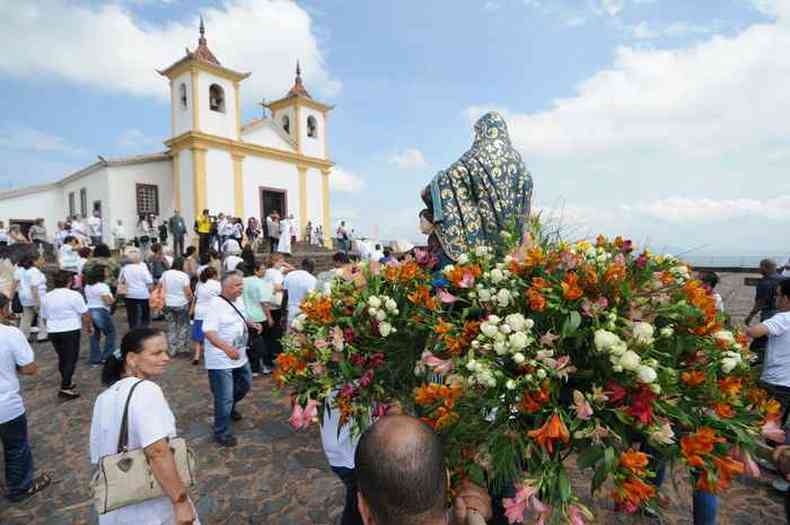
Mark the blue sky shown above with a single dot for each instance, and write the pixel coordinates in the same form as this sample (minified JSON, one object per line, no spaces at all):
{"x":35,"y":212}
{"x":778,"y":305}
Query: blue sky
{"x":664,"y":120}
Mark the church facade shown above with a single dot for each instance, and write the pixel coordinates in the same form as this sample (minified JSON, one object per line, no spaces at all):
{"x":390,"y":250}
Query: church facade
{"x":213,"y":161}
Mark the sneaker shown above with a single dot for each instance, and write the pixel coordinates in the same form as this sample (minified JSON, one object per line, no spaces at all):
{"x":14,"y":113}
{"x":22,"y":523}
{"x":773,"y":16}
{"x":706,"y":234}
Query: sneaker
{"x":96,"y":365}
{"x":255,"y":374}
{"x":39,"y":483}
{"x":226,"y":442}
{"x":235,"y":415}
{"x":780,"y":485}
{"x":266,"y":370}
{"x":68,"y":394}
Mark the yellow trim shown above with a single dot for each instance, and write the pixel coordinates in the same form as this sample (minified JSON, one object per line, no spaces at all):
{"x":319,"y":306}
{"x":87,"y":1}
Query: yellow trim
{"x":177,"y":180}
{"x":187,"y":64}
{"x":304,"y":101}
{"x":199,"y":176}
{"x":195,"y":104}
{"x":297,"y":125}
{"x":302,"y":198}
{"x":191,"y":139}
{"x":238,"y":112}
{"x":238,"y":185}
{"x":325,"y":215}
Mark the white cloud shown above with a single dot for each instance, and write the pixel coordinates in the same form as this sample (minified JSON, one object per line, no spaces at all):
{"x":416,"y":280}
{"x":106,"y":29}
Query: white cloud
{"x":410,"y":158}
{"x":612,"y":7}
{"x":344,"y":181}
{"x":29,"y":139}
{"x":133,"y":138}
{"x":644,"y":31}
{"x":706,"y":210}
{"x":108,"y":48}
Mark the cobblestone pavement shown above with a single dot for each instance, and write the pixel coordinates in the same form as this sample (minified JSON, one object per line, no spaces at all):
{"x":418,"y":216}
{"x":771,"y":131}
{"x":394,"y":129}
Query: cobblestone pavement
{"x":274,"y":477}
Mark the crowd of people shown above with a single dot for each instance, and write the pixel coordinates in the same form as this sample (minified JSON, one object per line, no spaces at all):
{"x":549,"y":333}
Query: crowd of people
{"x":228,"y":309}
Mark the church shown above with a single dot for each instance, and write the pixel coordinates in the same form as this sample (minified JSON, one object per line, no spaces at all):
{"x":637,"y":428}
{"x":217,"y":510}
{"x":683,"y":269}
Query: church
{"x":213,"y":161}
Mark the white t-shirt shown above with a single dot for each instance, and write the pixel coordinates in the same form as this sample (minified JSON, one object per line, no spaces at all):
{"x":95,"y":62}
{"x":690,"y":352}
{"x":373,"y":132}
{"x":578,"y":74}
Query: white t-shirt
{"x":94,"y":226}
{"x":14,"y":351}
{"x":174,"y":282}
{"x":776,"y":369}
{"x":94,"y":293}
{"x":62,"y":309}
{"x":138,"y":277}
{"x":204,"y":293}
{"x":298,"y":283}
{"x":150,"y":419}
{"x":223,"y":319}
{"x":339,"y":447}
{"x":232,"y":262}
{"x":274,"y":276}
{"x":32,"y":278}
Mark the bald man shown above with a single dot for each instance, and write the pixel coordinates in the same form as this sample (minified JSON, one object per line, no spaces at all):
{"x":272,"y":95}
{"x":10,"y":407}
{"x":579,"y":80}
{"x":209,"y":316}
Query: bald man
{"x":402,"y":478}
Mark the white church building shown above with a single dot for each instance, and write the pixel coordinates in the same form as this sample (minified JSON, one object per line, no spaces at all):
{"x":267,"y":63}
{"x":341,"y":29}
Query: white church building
{"x":213,"y":161}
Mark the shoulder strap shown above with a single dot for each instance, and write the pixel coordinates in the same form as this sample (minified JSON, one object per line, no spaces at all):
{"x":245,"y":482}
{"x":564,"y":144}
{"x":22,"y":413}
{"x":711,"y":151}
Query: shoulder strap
{"x":243,"y":319}
{"x":123,"y":437}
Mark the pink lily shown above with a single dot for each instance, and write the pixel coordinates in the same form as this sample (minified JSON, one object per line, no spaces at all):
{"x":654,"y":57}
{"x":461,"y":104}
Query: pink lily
{"x":446,"y":297}
{"x":467,"y":281}
{"x":749,"y":464}
{"x":516,"y":506}
{"x":302,"y":417}
{"x":575,"y":516}
{"x":440,"y":366}
{"x":583,"y":409}
{"x":297,"y":416}
{"x":543,"y":510}
{"x":773,"y":432}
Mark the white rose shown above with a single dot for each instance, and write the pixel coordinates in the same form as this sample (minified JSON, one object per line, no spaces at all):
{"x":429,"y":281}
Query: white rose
{"x":494,"y":319}
{"x":391,"y":305}
{"x":619,"y":348}
{"x":481,"y":251}
{"x":500,"y":348}
{"x":374,"y":302}
{"x":667,"y":331}
{"x":475,"y":344}
{"x":646,"y":374}
{"x":497,"y":276}
{"x":655,"y":388}
{"x":510,"y":385}
{"x":541,"y":374}
{"x":516,"y":321}
{"x":725,"y":336}
{"x":499,"y":336}
{"x":385,"y":329}
{"x":485,"y":296}
{"x":519,"y":358}
{"x":630,"y":360}
{"x":617,"y":368}
{"x":529,"y":323}
{"x":508,"y":259}
{"x":488,"y":329}
{"x":448,"y":269}
{"x":503,"y":297}
{"x":505,"y":328}
{"x":728,"y":364}
{"x":463,"y":259}
{"x":471,"y":365}
{"x":643,"y":332}
{"x":381,"y":315}
{"x":298,"y":324}
{"x":518,"y":340}
{"x":373,"y":311}
{"x":604,"y":340}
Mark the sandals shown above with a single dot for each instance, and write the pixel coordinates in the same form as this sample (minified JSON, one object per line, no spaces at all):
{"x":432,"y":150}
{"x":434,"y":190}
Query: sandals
{"x":39,"y":483}
{"x":68,"y":393}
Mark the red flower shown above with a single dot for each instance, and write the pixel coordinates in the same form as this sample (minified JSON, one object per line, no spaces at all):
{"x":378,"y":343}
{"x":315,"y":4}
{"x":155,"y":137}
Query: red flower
{"x":642,"y":405}
{"x":615,"y":393}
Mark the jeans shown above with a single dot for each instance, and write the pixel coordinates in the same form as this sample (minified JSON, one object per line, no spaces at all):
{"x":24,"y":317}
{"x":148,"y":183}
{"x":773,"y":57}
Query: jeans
{"x":18,"y":458}
{"x":178,"y":245}
{"x":28,"y":313}
{"x":138,"y":313}
{"x":203,"y":243}
{"x":704,"y":504}
{"x":177,"y":318}
{"x":102,"y":325}
{"x":229,"y":386}
{"x":350,"y":512}
{"x":67,"y":346}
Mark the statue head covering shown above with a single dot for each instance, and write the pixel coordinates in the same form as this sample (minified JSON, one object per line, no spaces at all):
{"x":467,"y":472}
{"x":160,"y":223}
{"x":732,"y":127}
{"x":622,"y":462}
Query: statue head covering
{"x":487,"y":191}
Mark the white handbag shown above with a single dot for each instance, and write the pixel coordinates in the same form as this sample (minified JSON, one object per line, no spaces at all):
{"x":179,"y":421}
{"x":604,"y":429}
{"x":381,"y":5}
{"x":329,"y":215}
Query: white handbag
{"x":125,"y":478}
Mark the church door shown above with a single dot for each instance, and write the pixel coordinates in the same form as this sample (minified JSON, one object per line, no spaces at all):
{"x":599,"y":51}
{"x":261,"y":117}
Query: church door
{"x":273,"y":199}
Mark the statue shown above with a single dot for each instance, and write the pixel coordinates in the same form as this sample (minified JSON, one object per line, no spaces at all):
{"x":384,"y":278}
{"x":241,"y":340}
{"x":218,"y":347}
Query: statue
{"x":487,"y":191}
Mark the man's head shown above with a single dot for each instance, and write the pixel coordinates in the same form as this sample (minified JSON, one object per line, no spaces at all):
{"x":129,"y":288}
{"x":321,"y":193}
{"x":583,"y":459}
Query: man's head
{"x":767,"y":267}
{"x":783,"y":295}
{"x":401,"y":475}
{"x":308,"y":265}
{"x":232,"y":285}
{"x":340,"y":259}
{"x":205,"y":213}
{"x":70,"y":240}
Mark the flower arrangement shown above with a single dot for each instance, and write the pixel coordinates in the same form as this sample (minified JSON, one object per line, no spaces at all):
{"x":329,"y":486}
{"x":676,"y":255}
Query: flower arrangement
{"x":523,"y":357}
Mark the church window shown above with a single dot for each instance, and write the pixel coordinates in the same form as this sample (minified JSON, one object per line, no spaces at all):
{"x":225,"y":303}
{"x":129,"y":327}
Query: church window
{"x":72,"y":205}
{"x":216,"y":97}
{"x":286,"y":124}
{"x":182,"y":95}
{"x":312,"y":127}
{"x":147,"y":199}
{"x":84,"y":202}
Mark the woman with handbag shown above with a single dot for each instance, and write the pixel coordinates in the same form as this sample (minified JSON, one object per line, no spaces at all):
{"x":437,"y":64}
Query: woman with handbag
{"x":134,"y":407}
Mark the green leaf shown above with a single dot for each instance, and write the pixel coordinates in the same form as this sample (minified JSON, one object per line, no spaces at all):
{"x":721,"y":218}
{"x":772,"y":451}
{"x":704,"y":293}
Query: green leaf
{"x":571,"y":324}
{"x":590,"y":456}
{"x":564,"y":484}
{"x":598,"y":479}
{"x":609,"y":458}
{"x":476,"y":475}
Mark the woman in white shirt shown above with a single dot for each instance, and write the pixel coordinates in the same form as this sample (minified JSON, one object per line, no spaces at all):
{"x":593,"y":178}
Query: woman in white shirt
{"x":232,"y":259}
{"x":178,"y":295}
{"x":139,"y":283}
{"x":65,"y":311}
{"x":141,"y":359}
{"x":32,"y":288}
{"x":207,"y":288}
{"x":99,"y":298}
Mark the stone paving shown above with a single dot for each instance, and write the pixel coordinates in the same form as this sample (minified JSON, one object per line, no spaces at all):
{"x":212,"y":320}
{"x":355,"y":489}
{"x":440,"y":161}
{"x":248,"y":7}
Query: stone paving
{"x":275,"y":476}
